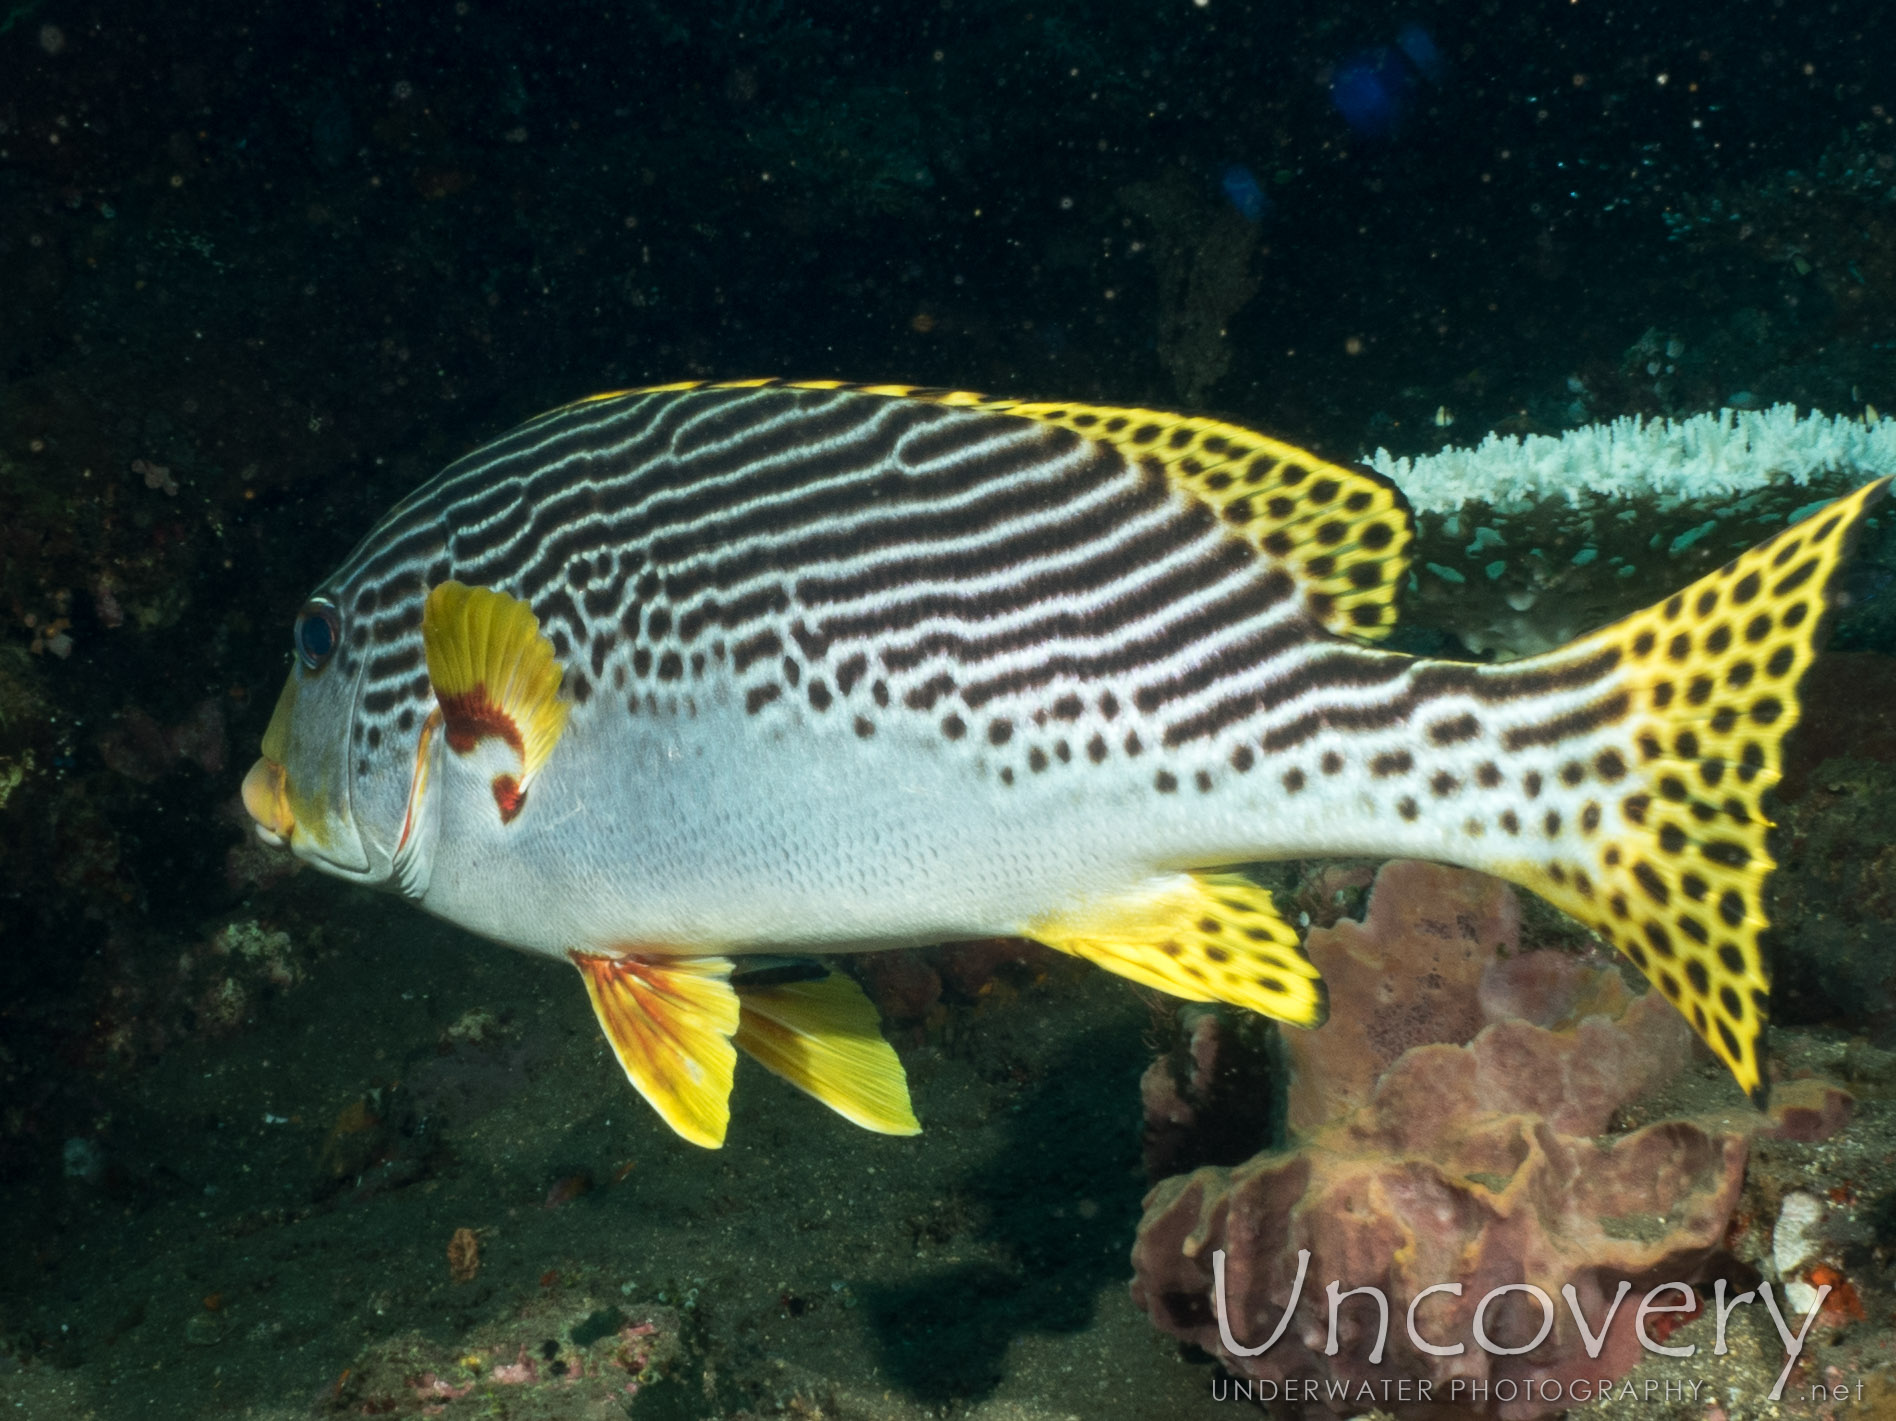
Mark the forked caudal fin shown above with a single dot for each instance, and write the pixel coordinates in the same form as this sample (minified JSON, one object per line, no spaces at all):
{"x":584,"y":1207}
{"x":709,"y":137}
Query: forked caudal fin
{"x":1671,"y":863}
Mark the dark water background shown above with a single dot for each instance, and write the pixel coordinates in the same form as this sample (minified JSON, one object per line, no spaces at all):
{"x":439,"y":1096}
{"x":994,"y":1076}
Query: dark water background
{"x":265,"y":267}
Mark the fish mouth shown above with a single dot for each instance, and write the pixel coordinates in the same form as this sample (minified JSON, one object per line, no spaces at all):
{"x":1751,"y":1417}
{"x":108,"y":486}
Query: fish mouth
{"x":266,"y":799}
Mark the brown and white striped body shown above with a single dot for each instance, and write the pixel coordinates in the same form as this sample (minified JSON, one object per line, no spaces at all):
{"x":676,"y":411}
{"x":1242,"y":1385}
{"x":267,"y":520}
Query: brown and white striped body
{"x":848,"y":669}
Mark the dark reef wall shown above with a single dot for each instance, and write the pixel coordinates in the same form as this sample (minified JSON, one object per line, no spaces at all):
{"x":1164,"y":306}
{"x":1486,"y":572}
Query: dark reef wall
{"x":263,"y":268}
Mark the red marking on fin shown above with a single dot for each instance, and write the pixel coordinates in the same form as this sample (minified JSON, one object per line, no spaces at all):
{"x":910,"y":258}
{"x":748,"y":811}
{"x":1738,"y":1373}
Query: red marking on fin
{"x":508,"y":795}
{"x":670,"y":1021}
{"x":471,"y":718}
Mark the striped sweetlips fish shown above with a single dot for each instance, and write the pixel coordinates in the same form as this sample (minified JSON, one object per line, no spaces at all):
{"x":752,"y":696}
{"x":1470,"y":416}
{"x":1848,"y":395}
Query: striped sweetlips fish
{"x":673,"y":676}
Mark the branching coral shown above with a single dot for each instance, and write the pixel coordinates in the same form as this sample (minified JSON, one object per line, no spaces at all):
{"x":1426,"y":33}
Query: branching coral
{"x":1523,"y":543}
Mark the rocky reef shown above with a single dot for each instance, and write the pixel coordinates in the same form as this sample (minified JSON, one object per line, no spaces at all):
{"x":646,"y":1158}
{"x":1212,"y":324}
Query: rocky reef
{"x":1455,"y":1123}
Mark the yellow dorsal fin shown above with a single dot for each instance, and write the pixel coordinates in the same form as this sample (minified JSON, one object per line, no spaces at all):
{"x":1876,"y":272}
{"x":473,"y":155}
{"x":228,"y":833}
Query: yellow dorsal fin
{"x":1342,"y":533}
{"x":825,"y":1037}
{"x":1204,"y":937}
{"x":670,"y":1021}
{"x":495,"y":678}
{"x":1705,"y":690}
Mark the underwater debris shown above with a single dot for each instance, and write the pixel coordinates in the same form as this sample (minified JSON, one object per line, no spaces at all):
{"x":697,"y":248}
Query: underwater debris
{"x":567,"y":1355}
{"x":464,"y":1255}
{"x":1804,"y":1253}
{"x":13,"y":774}
{"x":378,"y":1142}
{"x":269,"y":951}
{"x":156,"y":476}
{"x":477,"y":1026}
{"x":1204,"y":255}
{"x":571,"y":1185}
{"x":241,"y":964}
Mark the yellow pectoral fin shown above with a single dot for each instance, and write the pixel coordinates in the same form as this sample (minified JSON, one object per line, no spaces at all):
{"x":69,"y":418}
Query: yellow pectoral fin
{"x":824,"y":1037}
{"x":670,"y":1022}
{"x":1204,"y":937}
{"x":496,"y":678}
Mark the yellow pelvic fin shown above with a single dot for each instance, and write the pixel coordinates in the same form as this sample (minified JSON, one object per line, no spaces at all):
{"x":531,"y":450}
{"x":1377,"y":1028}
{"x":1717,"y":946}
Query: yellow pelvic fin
{"x":1342,"y":534}
{"x":1204,"y":937}
{"x":1708,"y":683}
{"x":825,"y":1037}
{"x":670,"y":1021}
{"x":495,"y":677}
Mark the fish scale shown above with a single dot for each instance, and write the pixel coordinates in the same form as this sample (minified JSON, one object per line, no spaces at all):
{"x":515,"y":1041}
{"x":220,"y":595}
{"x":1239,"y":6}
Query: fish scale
{"x":672,"y":676}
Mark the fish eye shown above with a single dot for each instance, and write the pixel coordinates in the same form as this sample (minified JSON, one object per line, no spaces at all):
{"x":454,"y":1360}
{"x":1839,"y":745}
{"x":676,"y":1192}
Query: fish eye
{"x":318,"y":629}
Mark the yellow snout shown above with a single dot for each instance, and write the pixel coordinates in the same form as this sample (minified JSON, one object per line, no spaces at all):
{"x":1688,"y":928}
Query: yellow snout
{"x":266,"y":797}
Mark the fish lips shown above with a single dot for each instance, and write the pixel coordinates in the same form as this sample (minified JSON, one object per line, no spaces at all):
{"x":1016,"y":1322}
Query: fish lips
{"x":268,"y":798}
{"x":267,"y":801}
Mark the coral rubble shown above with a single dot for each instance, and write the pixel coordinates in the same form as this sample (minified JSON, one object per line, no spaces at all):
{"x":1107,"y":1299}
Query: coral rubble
{"x":567,"y":1353}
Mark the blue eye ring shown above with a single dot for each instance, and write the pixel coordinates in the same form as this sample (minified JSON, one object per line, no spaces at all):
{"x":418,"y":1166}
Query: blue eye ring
{"x":318,"y":633}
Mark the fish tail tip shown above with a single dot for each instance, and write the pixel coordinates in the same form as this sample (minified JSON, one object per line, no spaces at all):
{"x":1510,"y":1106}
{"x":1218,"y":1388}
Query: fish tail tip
{"x":1673,"y":860}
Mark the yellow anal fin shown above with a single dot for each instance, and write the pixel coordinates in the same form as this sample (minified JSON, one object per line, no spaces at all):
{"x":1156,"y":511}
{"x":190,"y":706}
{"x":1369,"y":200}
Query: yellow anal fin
{"x":496,"y":678}
{"x":1342,"y":534}
{"x":1707,"y":688}
{"x":670,"y":1021}
{"x":825,"y":1038}
{"x":1204,"y":937}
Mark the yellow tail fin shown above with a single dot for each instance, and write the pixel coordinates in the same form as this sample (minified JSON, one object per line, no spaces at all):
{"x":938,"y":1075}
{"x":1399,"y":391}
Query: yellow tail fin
{"x":1675,"y":876}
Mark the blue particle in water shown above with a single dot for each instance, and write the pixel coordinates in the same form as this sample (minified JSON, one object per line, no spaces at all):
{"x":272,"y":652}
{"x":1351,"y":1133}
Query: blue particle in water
{"x":1415,"y":42}
{"x":1371,"y":92}
{"x":1245,"y":193}
{"x":1374,"y":88}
